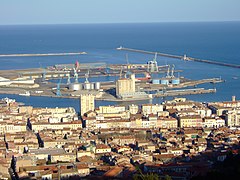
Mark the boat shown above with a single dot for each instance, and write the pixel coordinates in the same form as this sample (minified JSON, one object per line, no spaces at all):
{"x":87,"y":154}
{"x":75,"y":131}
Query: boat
{"x":147,"y":77}
{"x":27,"y":93}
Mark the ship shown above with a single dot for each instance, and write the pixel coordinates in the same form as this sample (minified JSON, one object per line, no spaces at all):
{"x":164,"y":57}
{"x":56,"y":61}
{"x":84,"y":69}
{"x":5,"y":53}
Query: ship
{"x":27,"y":93}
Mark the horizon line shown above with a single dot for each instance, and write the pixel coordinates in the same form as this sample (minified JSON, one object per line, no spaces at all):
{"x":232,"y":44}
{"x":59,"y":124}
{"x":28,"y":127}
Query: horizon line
{"x":98,"y":23}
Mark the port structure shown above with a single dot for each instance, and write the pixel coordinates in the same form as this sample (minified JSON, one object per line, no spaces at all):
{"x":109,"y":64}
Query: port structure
{"x":184,"y":57}
{"x":101,"y":89}
{"x":58,"y":93}
{"x":45,"y":54}
{"x":152,"y":65}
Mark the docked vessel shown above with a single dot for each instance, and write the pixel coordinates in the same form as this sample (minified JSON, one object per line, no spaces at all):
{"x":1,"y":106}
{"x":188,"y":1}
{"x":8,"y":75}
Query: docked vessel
{"x":27,"y":93}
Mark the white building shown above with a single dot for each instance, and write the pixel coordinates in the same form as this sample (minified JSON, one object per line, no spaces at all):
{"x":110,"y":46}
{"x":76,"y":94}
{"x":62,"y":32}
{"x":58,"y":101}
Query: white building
{"x":87,"y":103}
{"x":133,"y":108}
{"x":152,"y":108}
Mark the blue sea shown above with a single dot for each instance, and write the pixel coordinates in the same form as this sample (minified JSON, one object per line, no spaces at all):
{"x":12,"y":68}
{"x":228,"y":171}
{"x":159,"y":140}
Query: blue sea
{"x":217,"y":41}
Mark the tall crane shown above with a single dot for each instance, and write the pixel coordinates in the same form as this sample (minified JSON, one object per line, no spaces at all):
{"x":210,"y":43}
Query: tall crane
{"x":152,"y":65}
{"x":128,"y":73}
{"x":43,"y":73}
{"x":120,"y":75}
{"x":75,"y":75}
{"x":172,"y":73}
{"x":86,"y":77}
{"x":168,"y":72}
{"x":107,"y":69}
{"x":68,"y":79}
{"x":58,"y":93}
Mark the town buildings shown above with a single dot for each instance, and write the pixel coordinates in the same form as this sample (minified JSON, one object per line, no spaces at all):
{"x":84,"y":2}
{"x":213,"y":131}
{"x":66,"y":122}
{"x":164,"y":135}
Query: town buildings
{"x":180,"y":138}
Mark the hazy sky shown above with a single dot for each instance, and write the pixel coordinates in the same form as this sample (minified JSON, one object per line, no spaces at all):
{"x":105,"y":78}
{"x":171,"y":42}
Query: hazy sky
{"x":116,"y":11}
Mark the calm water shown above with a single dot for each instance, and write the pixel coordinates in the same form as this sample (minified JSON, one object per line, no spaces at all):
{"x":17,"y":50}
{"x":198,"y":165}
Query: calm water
{"x":214,"y":41}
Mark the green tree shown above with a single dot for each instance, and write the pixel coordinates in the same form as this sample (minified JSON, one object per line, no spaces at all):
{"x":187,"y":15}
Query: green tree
{"x":149,"y":176}
{"x":167,"y":177}
{"x":141,"y":176}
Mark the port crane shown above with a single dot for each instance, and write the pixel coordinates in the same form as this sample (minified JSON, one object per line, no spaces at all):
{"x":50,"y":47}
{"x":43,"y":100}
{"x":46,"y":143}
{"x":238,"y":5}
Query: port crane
{"x":128,"y":66}
{"x":152,"y":65}
{"x":68,"y":79}
{"x":172,"y":73}
{"x":86,"y":77}
{"x":75,"y":75}
{"x":43,"y":73}
{"x":58,"y":93}
{"x":107,"y":69}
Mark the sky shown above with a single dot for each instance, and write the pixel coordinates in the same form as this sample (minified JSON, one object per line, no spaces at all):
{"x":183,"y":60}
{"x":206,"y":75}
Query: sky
{"x":116,"y":11}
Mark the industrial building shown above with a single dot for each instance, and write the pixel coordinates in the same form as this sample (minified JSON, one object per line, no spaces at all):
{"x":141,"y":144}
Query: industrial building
{"x":169,"y":79}
{"x":7,"y":82}
{"x":125,"y":86}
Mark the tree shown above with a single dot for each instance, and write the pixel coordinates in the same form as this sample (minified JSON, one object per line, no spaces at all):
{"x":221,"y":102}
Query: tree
{"x":149,"y":176}
{"x":141,"y":176}
{"x":167,"y":177}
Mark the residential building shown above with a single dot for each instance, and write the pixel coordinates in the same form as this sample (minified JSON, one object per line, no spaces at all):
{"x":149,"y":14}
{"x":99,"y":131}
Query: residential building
{"x":87,"y":103}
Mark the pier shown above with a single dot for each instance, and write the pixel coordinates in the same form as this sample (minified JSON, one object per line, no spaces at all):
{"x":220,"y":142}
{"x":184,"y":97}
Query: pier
{"x":45,"y":54}
{"x":180,"y":57}
{"x":182,"y":92}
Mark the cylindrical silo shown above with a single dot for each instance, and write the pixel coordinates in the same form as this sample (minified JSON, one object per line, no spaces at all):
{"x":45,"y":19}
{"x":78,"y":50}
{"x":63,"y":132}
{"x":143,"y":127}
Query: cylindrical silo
{"x":87,"y":86}
{"x":176,"y":81}
{"x":97,"y":85}
{"x":75,"y":87}
{"x":156,"y":81}
{"x":164,"y":81}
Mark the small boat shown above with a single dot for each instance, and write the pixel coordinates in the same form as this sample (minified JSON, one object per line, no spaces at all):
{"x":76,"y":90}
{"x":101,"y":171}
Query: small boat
{"x":27,"y":93}
{"x":235,"y":77}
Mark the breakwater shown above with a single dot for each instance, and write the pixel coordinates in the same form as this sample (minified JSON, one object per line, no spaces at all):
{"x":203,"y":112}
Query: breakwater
{"x":45,"y":54}
{"x":180,"y":57}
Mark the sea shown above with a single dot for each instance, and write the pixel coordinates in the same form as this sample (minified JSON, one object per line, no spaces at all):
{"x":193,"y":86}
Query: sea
{"x":216,"y":41}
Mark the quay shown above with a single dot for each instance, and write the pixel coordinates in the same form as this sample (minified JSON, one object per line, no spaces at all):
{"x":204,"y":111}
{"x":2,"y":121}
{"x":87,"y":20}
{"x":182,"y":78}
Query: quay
{"x":180,"y":57}
{"x":185,"y":83}
{"x":184,"y":92}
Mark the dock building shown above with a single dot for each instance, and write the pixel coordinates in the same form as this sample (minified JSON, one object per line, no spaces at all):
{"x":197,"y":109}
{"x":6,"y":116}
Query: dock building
{"x":124,"y":86}
{"x":126,"y":89}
